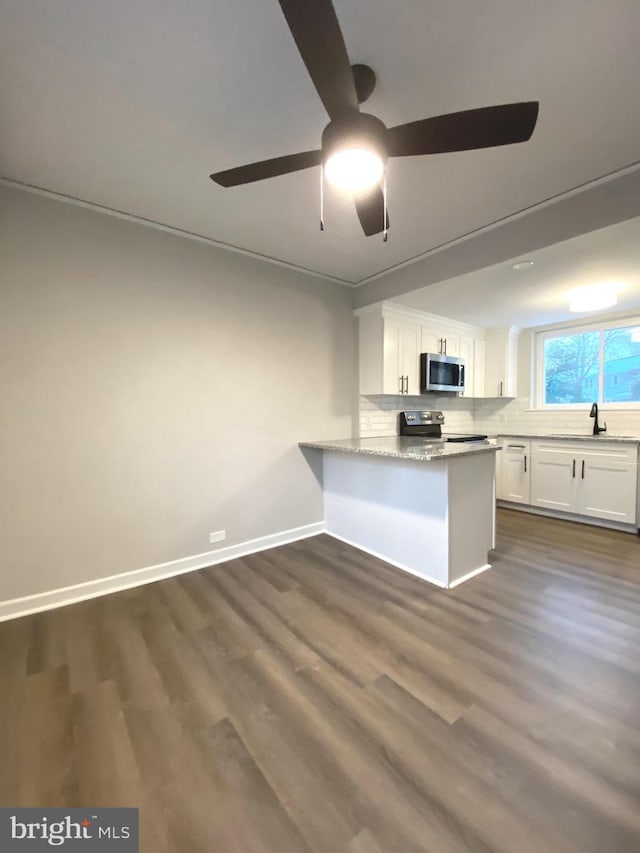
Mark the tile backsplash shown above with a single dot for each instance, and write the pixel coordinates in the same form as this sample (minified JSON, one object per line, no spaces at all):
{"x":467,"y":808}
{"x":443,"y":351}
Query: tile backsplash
{"x":379,"y":416}
{"x":496,"y":416}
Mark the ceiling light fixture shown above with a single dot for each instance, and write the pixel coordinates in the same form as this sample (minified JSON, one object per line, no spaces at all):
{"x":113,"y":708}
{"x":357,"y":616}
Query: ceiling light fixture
{"x":522,"y":265}
{"x":354,"y":169}
{"x":593,"y":297}
{"x":354,"y":152}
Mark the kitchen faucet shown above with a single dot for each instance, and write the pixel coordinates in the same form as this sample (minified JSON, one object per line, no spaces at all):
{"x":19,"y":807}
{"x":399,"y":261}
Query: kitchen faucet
{"x":594,"y":414}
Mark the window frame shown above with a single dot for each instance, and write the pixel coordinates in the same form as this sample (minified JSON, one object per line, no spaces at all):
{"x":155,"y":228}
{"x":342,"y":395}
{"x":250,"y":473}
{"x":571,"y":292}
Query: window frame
{"x":538,"y":385}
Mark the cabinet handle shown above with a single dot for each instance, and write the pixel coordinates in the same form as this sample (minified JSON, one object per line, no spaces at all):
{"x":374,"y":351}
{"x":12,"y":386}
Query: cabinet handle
{"x":406,"y":384}
{"x":516,"y":446}
{"x":445,"y":346}
{"x":525,"y":463}
{"x":501,"y":384}
{"x":401,"y":384}
{"x":583,"y":469}
{"x":574,"y":469}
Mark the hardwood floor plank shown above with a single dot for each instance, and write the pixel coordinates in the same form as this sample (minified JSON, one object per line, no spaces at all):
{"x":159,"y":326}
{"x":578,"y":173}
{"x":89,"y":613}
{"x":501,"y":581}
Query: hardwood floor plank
{"x":271,"y":630}
{"x":299,"y":780}
{"x":313,"y":699}
{"x":594,"y":814}
{"x":254,"y":805}
{"x":44,"y":740}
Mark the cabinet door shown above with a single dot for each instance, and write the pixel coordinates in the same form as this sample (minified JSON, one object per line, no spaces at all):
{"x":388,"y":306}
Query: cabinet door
{"x":479,"y":349}
{"x":608,"y":489}
{"x":451,"y":343}
{"x":410,"y":363}
{"x":392,"y":365}
{"x":431,"y":340}
{"x":466,"y":352}
{"x":554,"y":479}
{"x":501,"y":363}
{"x":515,"y":473}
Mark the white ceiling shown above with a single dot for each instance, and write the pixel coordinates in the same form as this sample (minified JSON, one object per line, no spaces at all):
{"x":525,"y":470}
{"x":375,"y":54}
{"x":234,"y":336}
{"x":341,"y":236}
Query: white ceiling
{"x":502,"y":296}
{"x":131,"y":104}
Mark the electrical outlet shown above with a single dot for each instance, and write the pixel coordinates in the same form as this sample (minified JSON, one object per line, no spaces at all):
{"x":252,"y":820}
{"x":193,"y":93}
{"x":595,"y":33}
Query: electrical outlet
{"x":217,"y":536}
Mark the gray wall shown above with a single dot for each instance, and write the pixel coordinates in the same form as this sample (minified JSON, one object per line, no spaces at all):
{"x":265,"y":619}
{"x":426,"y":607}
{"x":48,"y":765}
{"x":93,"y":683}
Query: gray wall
{"x":126,"y":355}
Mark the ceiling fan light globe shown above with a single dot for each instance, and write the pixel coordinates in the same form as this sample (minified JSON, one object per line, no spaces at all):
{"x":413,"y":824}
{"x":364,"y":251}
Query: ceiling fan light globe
{"x":354,"y":169}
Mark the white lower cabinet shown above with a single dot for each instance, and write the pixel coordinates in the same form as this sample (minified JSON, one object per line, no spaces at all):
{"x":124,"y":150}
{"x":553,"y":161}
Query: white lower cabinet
{"x":599,"y":481}
{"x":513,"y":478}
{"x":608,"y":489}
{"x":553,"y":483}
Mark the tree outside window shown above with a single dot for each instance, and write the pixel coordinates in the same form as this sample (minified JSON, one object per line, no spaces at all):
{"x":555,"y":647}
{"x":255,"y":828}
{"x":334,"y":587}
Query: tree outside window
{"x":600,"y":365}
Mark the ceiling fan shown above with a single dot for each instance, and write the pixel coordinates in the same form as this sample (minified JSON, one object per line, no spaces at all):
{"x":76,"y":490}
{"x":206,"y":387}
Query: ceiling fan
{"x":355,"y":146}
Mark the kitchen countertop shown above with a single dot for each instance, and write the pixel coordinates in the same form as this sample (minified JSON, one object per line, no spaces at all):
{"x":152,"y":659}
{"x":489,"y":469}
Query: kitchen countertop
{"x":603,"y":437}
{"x":402,"y":447}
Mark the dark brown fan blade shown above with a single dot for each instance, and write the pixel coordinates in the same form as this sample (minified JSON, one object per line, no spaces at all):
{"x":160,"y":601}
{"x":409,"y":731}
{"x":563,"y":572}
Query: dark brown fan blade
{"x":482,"y":128}
{"x":370,"y":209}
{"x":316,"y":31}
{"x":267,"y":169}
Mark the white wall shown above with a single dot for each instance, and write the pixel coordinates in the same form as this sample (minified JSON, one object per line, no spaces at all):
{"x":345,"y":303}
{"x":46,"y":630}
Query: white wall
{"x":153,"y":389}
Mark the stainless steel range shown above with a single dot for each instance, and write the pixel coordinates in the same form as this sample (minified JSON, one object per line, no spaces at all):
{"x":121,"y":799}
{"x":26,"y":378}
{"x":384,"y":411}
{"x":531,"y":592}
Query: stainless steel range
{"x":428,"y":425}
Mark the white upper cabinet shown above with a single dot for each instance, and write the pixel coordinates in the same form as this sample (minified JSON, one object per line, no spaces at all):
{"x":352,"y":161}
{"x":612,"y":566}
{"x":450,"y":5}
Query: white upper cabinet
{"x":389,"y":343}
{"x":501,"y":363}
{"x":392,"y":338}
{"x":439,"y":338}
{"x":466,"y":350}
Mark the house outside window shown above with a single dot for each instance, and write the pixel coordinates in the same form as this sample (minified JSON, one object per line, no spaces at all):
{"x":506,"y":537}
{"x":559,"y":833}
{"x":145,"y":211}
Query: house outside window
{"x":597,"y":363}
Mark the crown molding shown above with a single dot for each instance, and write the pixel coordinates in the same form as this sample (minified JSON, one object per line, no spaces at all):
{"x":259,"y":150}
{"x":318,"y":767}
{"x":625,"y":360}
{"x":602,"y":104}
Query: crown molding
{"x":491,"y":226}
{"x":169,"y":229}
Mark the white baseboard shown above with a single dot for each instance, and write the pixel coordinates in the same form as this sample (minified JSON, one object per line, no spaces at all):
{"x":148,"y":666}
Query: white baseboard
{"x":470,"y":575}
{"x":16,"y":607}
{"x":386,"y":560}
{"x":569,"y":516}
{"x":409,"y":571}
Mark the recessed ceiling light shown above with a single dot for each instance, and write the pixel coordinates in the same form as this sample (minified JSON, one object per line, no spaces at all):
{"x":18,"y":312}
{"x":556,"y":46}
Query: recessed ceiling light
{"x":593,"y":297}
{"x":522,"y":265}
{"x":635,"y":335}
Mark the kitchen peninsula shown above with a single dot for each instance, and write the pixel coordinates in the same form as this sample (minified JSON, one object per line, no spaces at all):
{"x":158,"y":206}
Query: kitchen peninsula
{"x":425,"y":507}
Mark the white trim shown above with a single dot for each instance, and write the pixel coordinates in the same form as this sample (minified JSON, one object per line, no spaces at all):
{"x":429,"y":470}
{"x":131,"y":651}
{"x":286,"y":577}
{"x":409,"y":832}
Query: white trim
{"x":13,"y":608}
{"x":386,"y":560}
{"x":169,"y":229}
{"x":469,"y":575}
{"x":387,"y":307}
{"x":519,"y":214}
{"x":569,"y":516}
{"x":406,"y":569}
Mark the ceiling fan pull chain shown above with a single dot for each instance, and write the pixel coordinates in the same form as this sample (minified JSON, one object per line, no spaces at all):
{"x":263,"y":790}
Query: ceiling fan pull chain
{"x":385,"y":231}
{"x":321,"y":197}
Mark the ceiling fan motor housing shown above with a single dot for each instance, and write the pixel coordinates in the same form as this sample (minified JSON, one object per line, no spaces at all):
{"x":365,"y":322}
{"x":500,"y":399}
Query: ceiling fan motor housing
{"x":356,"y":130}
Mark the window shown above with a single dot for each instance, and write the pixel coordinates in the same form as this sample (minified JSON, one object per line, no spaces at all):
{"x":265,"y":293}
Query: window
{"x":579,"y":366}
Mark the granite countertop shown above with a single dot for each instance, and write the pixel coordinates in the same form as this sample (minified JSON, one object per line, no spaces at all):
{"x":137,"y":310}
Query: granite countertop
{"x":398,"y":447}
{"x":603,"y":437}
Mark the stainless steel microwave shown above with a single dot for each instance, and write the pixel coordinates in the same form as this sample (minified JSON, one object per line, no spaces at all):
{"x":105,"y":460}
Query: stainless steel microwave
{"x":441,"y":373}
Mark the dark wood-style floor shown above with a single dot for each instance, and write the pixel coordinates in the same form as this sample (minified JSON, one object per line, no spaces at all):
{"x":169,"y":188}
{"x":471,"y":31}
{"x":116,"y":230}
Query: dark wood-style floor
{"x":311,"y":698}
